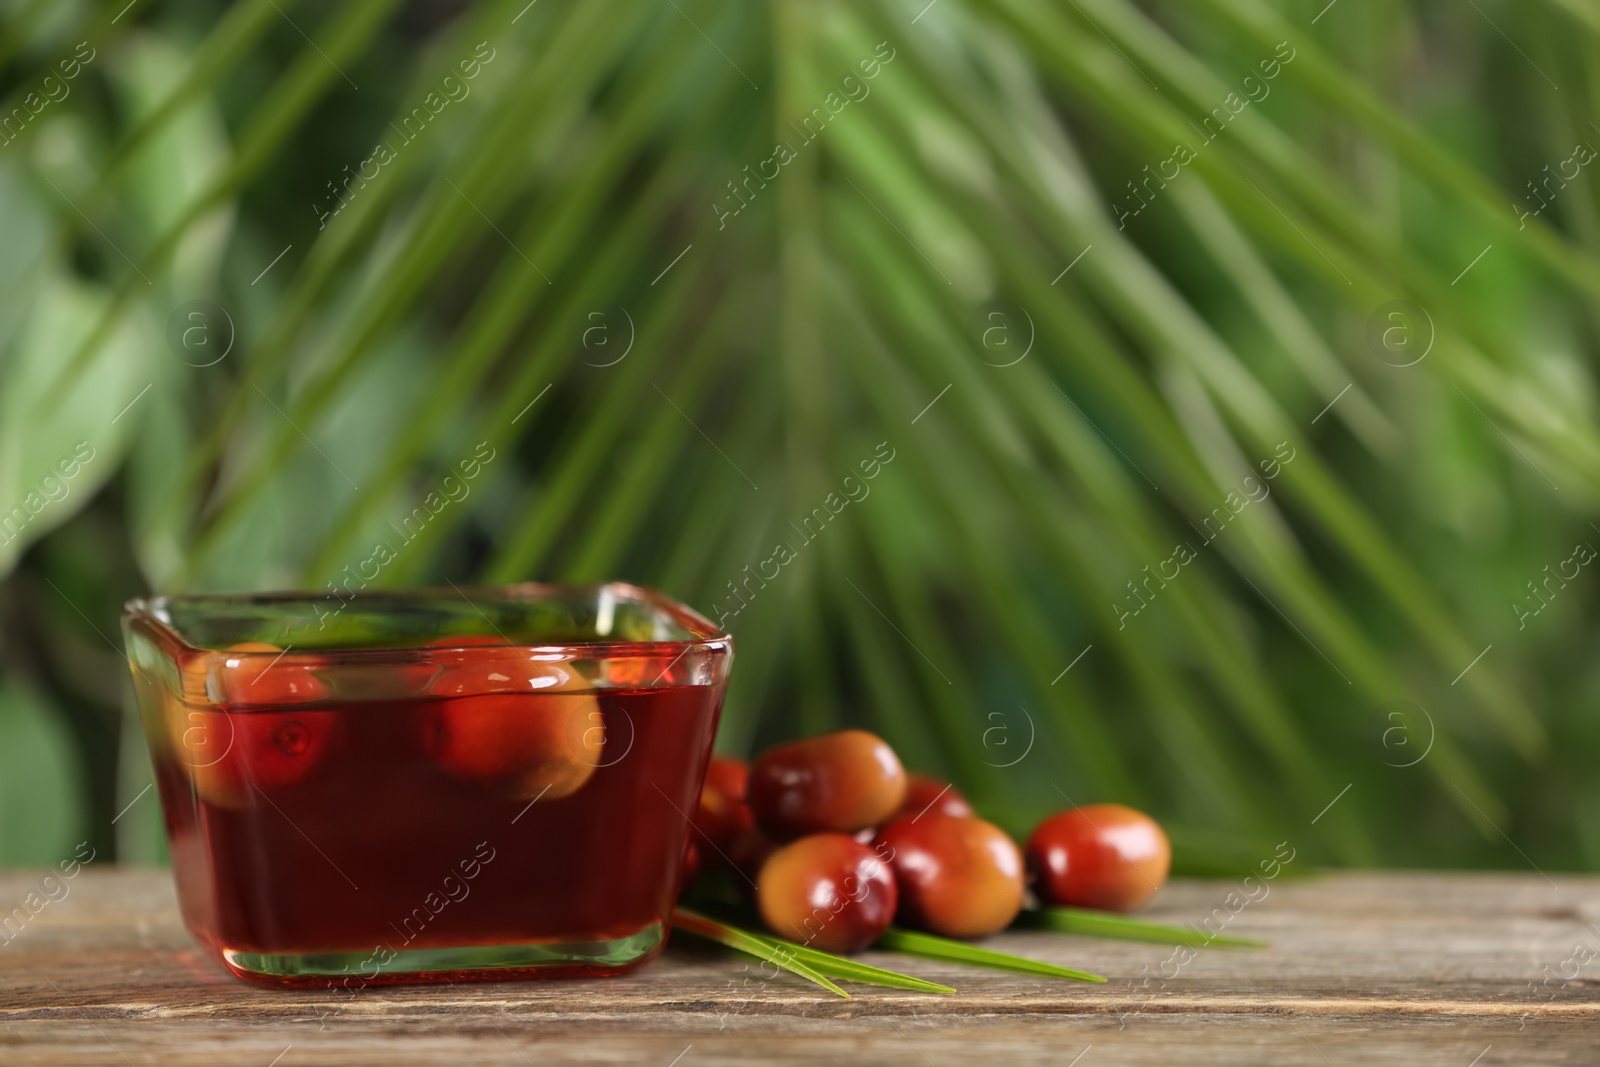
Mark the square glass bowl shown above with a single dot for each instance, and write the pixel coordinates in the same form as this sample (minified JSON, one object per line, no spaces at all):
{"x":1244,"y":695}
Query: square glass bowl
{"x":427,"y":785}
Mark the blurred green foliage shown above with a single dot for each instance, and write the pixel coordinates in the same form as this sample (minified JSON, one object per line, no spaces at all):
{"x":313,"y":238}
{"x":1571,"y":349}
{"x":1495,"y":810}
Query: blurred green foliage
{"x":275,"y":268}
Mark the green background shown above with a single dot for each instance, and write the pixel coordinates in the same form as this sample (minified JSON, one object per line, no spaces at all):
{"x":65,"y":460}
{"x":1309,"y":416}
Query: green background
{"x":685,"y":266}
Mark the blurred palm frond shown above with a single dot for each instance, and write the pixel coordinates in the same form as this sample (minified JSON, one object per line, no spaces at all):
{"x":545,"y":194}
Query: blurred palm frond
{"x":692,"y":270}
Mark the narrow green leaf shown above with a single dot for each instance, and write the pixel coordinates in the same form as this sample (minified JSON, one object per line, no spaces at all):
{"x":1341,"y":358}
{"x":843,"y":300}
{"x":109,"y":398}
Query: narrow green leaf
{"x":283,"y":106}
{"x":1091,"y":923}
{"x":694,"y":923}
{"x":942,"y":948}
{"x":832,"y":965}
{"x":856,"y":971}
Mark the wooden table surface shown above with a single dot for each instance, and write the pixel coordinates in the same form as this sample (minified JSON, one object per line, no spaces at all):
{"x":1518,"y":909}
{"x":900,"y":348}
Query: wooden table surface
{"x":1466,"y":970}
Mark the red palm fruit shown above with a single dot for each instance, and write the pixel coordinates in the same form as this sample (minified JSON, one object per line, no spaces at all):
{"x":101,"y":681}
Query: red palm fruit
{"x":420,"y":676}
{"x":930,"y":795}
{"x":730,"y":775}
{"x":958,"y":877}
{"x":723,"y":814}
{"x":840,"y":782}
{"x":1101,"y":856}
{"x":827,"y":891}
{"x":520,"y":727}
{"x":230,"y":756}
{"x":261,"y":675}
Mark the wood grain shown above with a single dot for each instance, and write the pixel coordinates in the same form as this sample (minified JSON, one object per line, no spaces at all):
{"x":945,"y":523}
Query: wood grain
{"x":1369,"y":968}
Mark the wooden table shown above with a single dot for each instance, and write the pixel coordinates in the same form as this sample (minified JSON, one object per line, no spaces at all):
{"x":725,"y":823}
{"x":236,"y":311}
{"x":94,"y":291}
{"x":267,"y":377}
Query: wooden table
{"x":1363,"y":968}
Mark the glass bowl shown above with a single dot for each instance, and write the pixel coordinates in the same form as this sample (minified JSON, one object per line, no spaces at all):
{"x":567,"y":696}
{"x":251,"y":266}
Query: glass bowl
{"x":427,"y":785}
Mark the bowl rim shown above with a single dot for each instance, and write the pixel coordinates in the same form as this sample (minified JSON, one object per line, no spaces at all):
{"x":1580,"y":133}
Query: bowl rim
{"x":145,"y":613}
